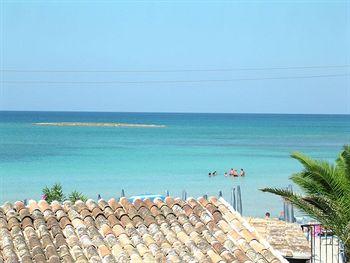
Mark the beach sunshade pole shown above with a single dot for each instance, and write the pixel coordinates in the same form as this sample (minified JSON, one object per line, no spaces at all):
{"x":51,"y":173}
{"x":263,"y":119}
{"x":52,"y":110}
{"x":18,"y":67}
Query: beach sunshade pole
{"x":233,"y":198}
{"x":239,"y":200}
{"x":291,"y":206}
{"x":287,"y":209}
{"x":184,"y":195}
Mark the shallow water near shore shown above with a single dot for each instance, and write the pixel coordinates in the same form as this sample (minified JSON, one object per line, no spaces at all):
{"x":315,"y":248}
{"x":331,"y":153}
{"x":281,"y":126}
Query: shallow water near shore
{"x":104,"y":160}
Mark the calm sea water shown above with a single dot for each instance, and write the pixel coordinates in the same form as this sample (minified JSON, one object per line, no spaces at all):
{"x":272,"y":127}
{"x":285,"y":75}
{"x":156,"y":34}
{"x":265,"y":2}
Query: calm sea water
{"x":104,"y":160}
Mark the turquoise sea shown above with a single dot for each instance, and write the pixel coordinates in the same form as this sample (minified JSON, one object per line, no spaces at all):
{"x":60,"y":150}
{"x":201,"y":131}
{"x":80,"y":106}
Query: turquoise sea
{"x":104,"y":160}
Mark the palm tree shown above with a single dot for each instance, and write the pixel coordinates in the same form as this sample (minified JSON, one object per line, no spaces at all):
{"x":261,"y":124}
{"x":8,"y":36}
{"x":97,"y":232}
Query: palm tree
{"x":75,"y":196}
{"x":53,"y":193}
{"x":326,"y":195}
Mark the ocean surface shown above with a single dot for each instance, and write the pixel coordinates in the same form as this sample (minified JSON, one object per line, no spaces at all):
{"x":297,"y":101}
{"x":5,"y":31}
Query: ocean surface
{"x":105,"y":160}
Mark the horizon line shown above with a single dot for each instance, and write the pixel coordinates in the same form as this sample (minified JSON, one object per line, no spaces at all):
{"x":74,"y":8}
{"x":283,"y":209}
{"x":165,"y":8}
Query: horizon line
{"x":175,"y":112}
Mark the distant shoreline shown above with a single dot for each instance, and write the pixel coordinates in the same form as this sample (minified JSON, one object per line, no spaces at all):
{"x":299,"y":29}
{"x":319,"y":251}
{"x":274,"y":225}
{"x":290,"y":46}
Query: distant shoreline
{"x":98,"y":124}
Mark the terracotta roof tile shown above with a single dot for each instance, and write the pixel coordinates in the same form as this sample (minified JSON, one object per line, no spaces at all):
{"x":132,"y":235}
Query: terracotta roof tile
{"x":119,"y":212}
{"x":19,"y":205}
{"x":173,"y":230}
{"x":54,"y":259}
{"x":113,"y":203}
{"x":43,"y":205}
{"x":149,"y":204}
{"x":33,"y":206}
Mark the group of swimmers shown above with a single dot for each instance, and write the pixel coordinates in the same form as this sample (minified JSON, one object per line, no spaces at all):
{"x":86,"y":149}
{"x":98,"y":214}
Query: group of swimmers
{"x":232,"y":172}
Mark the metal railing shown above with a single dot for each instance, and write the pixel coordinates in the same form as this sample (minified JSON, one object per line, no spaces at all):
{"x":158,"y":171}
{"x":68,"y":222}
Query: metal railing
{"x":325,"y":246}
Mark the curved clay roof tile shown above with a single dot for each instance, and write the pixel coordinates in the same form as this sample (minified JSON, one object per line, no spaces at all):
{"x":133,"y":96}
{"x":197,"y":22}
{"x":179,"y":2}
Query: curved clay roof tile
{"x":24,"y":213}
{"x":54,"y":259}
{"x":56,"y":206}
{"x":19,"y":205}
{"x":85,"y":213}
{"x":137,"y":221}
{"x":172,"y":230}
{"x":96,"y":211}
{"x":112,"y":220}
{"x":124,"y":201}
{"x":148,"y":203}
{"x":106,"y":230}
{"x":107,"y":211}
{"x":80,"y":205}
{"x":192,"y":202}
{"x":102,"y":204}
{"x":169,"y":201}
{"x":33,"y":205}
{"x":204,"y":202}
{"x":43,"y":205}
{"x":91,"y":204}
{"x":119,"y":212}
{"x":138,"y":203}
{"x":159,"y":203}
{"x":8,"y":208}
{"x":113,"y":203}
{"x":214,"y":200}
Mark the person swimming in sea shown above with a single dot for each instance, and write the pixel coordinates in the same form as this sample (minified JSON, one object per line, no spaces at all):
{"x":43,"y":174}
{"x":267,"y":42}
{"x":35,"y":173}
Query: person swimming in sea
{"x":235,"y":173}
{"x":214,"y":173}
{"x":242,"y":173}
{"x":209,"y":174}
{"x":231,"y":172}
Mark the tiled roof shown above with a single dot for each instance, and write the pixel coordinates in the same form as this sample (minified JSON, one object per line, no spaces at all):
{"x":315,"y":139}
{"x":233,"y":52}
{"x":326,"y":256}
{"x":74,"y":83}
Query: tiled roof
{"x":287,"y":238}
{"x":172,"y":230}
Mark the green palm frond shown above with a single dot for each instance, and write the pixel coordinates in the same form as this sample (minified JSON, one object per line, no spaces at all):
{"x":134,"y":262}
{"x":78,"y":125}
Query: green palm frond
{"x":326,"y":189}
{"x":75,"y":196}
{"x":298,"y":201}
{"x":323,"y":175}
{"x":55,"y":193}
{"x":344,"y":161}
{"x":307,"y":184}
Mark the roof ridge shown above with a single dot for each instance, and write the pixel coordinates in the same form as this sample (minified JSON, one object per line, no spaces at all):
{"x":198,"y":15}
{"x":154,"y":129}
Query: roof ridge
{"x":261,"y":239}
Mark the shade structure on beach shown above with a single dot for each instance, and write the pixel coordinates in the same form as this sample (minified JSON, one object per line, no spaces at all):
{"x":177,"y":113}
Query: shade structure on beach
{"x":144,"y":197}
{"x":170,"y":230}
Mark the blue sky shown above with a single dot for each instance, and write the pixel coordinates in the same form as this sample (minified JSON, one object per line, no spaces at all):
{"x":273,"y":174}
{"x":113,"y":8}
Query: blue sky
{"x":72,"y":35}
